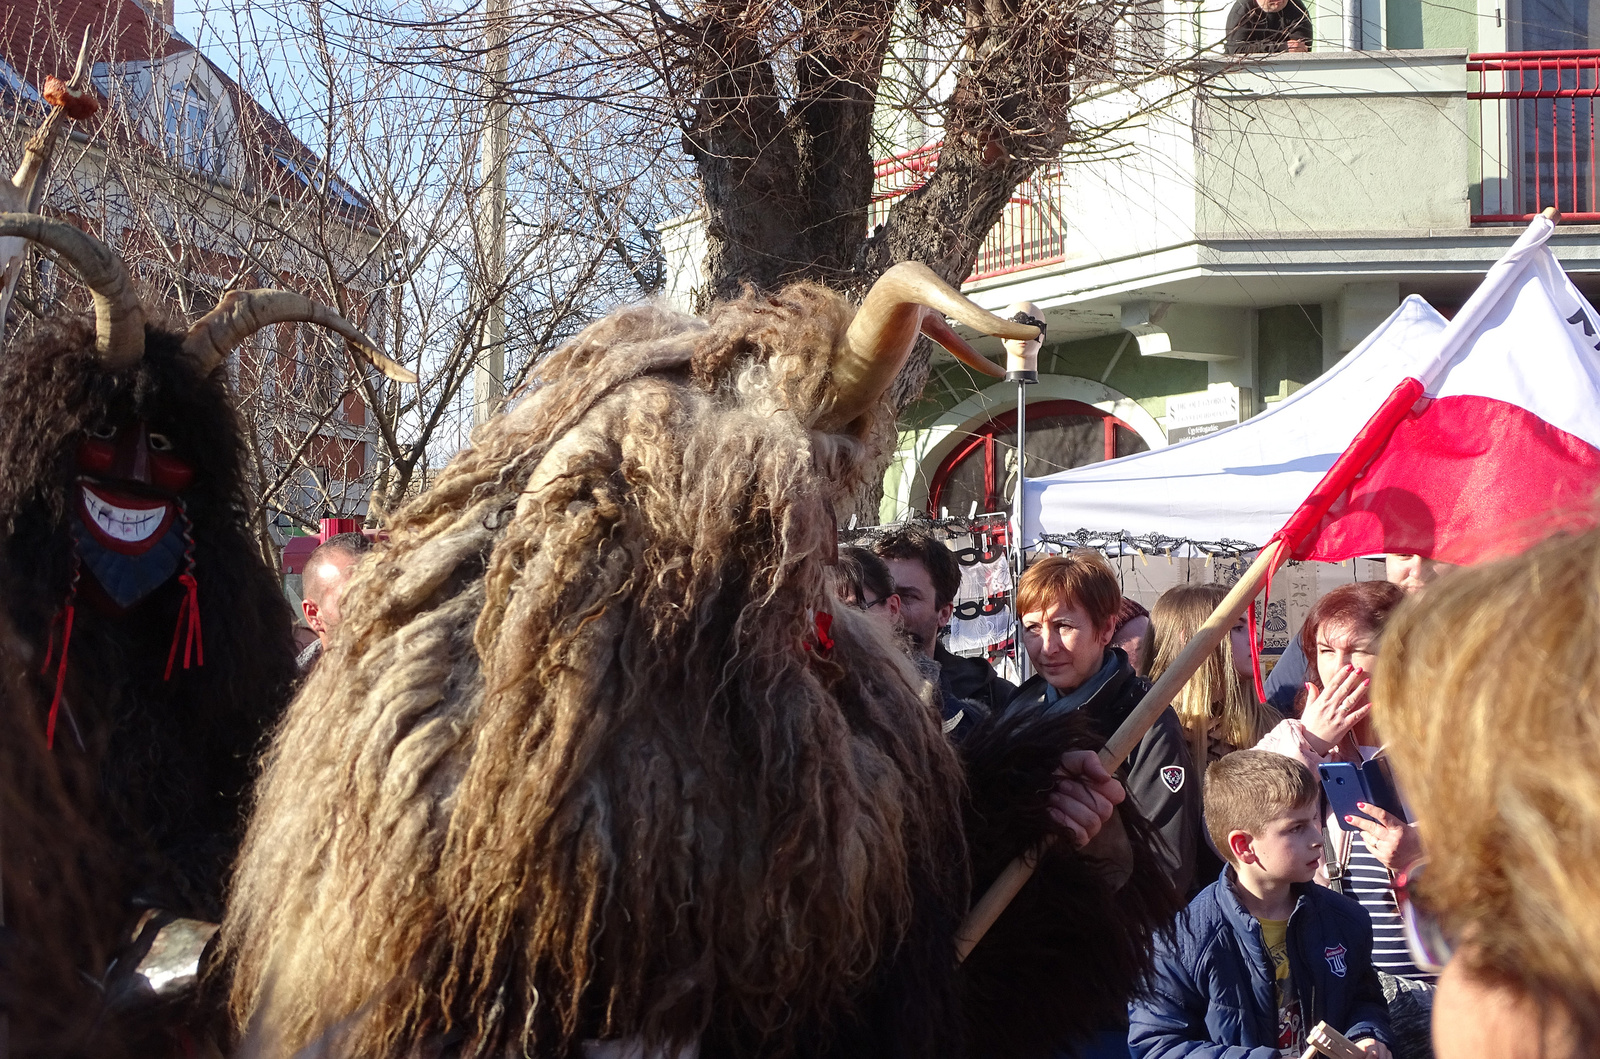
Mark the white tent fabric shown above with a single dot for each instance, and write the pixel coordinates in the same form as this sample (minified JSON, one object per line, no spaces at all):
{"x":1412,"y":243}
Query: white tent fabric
{"x":1241,"y":483}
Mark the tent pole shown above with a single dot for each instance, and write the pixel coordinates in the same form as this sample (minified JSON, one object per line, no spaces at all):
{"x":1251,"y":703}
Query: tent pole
{"x":1119,"y":746}
{"x":1019,"y":529}
{"x":1022,"y":368}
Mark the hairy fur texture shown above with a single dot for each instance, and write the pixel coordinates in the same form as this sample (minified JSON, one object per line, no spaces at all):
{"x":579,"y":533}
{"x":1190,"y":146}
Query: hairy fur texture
{"x":155,"y":773}
{"x":49,"y":859}
{"x":577,"y":765}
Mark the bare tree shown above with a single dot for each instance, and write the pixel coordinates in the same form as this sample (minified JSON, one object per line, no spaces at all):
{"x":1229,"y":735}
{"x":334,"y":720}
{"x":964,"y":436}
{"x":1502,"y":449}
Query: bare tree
{"x":313,"y":166}
{"x":782,"y":106}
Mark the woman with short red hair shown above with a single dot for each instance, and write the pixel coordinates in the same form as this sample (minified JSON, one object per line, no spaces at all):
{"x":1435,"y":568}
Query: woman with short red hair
{"x":1068,"y":606}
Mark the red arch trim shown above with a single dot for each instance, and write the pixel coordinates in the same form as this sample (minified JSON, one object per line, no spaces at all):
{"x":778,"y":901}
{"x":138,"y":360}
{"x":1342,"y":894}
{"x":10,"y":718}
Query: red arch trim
{"x":983,"y":436}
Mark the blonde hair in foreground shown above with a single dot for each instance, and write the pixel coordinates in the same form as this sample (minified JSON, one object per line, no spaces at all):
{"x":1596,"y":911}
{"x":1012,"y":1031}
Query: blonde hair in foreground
{"x":1216,"y":690}
{"x":1488,"y":695}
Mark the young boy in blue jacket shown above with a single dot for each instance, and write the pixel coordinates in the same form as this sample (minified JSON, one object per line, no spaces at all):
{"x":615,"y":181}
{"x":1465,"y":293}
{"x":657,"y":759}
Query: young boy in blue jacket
{"x":1263,"y":954}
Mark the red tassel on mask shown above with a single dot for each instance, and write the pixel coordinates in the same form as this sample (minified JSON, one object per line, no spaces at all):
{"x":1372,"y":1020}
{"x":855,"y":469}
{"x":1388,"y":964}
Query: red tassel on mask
{"x":188,"y":627}
{"x":66,"y":614}
{"x":61,"y":673}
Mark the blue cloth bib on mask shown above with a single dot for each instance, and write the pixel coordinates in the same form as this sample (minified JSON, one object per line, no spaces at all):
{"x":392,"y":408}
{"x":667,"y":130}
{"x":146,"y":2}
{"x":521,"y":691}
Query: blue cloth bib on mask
{"x":129,"y":578}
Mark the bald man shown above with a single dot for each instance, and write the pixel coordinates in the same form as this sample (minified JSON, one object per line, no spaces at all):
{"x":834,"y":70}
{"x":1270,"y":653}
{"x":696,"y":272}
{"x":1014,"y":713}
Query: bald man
{"x":321,"y":585}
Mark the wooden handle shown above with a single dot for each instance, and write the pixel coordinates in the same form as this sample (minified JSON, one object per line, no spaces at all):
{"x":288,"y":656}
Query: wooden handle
{"x":1016,"y":874}
{"x":1331,"y":1043}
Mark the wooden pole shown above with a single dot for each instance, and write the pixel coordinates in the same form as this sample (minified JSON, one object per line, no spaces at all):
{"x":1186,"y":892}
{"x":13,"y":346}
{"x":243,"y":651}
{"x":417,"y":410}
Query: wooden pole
{"x":1116,"y":751}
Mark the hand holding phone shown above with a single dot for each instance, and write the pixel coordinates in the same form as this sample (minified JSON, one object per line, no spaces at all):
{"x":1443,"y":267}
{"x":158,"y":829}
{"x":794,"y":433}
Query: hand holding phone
{"x":1345,"y":785}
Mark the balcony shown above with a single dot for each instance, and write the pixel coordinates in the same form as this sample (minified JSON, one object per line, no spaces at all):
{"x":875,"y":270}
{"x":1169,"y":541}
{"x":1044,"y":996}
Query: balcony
{"x":1031,"y":231}
{"x":1287,"y":175}
{"x":1537,"y":135}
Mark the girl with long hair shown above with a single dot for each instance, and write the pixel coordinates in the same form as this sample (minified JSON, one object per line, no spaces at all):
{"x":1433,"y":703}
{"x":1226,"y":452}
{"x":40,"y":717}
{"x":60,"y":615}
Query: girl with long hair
{"x":1218,"y":706}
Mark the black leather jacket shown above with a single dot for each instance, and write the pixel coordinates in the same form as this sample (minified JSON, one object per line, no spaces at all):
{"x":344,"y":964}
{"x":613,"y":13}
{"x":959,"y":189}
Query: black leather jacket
{"x":1158,"y":774}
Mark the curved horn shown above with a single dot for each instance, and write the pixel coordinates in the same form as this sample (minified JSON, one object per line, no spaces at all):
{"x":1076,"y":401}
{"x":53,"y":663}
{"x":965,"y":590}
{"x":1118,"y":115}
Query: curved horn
{"x":244,"y":312}
{"x":895,"y":311}
{"x":118,"y":316}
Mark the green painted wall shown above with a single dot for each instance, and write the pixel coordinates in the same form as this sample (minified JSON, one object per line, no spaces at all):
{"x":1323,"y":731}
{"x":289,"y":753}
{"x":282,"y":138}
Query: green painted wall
{"x":1289,"y":348}
{"x":1411,"y":23}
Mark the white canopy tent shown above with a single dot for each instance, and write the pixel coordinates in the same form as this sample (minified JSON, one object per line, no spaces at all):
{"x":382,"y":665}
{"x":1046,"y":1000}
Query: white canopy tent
{"x":1241,"y":483}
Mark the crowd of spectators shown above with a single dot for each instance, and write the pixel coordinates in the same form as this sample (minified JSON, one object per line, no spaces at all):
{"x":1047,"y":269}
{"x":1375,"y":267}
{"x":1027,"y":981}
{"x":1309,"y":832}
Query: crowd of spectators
{"x":1486,"y":871}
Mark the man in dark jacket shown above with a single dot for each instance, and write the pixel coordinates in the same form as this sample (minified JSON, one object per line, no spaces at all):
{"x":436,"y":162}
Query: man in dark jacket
{"x":1267,"y":26}
{"x":1069,"y":607}
{"x":1263,"y":954}
{"x":927,"y":577}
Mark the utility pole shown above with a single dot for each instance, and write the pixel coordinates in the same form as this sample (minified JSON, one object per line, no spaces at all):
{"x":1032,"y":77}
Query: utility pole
{"x":488,"y":377}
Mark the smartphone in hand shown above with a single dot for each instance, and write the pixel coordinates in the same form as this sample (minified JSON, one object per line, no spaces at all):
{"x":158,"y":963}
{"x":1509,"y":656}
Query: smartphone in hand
{"x":1345,"y":785}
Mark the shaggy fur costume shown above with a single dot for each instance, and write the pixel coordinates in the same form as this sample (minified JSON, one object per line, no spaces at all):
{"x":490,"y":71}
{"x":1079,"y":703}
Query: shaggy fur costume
{"x":582,"y":763}
{"x":48,"y":855}
{"x":162,"y":767}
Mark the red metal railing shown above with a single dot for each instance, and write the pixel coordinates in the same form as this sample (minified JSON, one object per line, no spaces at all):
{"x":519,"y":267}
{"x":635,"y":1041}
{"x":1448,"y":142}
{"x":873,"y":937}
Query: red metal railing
{"x":1537,"y":134}
{"x":1031,"y":231}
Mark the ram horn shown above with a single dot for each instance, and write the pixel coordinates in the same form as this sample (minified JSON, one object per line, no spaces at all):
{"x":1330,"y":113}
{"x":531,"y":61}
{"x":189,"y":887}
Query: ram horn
{"x":906,"y":301}
{"x":242,"y":313}
{"x":118,"y":316}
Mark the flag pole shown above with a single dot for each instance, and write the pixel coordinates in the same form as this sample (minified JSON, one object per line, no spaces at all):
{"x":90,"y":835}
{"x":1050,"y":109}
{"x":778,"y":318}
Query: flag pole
{"x":1205,"y":640}
{"x":1354,"y":460}
{"x":1022,"y":368}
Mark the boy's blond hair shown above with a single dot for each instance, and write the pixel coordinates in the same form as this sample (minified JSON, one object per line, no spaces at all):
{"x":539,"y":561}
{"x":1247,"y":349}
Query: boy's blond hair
{"x":1249,"y":789}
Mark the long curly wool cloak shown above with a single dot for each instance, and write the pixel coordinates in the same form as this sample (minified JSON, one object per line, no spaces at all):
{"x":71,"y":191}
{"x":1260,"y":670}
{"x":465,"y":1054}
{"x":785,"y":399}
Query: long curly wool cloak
{"x":584,"y":764}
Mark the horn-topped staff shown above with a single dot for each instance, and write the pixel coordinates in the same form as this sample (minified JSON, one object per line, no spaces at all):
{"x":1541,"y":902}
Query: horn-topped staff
{"x":23,"y":192}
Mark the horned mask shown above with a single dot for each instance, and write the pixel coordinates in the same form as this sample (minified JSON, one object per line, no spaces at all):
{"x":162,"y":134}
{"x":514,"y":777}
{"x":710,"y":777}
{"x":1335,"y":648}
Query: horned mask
{"x":130,"y":531}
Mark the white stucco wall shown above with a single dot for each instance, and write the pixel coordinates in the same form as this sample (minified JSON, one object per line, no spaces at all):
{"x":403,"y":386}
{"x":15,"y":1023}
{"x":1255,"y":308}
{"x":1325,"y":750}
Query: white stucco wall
{"x":1356,"y":142}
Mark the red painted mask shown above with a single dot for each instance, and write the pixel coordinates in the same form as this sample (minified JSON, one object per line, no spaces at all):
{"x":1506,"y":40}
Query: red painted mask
{"x":128,"y":482}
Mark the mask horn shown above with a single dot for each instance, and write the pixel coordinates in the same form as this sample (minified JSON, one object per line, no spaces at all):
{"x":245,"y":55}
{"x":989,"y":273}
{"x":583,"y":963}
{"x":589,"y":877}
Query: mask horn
{"x":244,"y":312}
{"x":118,"y":316}
{"x":906,"y":301}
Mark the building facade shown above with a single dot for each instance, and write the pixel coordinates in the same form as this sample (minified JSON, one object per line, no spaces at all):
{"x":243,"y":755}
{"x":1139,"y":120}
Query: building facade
{"x":1245,"y":235}
{"x":202,"y":190}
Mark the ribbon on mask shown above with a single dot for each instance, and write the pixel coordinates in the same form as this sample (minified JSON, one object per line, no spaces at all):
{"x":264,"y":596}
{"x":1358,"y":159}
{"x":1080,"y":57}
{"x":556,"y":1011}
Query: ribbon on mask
{"x":188,"y":628}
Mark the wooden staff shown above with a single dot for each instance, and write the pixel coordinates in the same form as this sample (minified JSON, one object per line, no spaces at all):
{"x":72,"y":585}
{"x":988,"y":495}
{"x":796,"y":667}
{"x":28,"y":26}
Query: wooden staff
{"x":1324,"y":1040}
{"x":1158,"y":698}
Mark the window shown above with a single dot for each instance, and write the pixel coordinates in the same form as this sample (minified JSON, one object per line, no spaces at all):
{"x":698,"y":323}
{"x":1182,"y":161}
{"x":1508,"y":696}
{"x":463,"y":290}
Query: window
{"x":12,"y":81}
{"x":191,"y":132}
{"x":1061,"y":434}
{"x":335,"y":186}
{"x":319,"y":367}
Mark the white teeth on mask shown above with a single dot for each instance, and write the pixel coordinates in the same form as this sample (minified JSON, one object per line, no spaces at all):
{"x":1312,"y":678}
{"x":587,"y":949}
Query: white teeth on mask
{"x":127,"y":524}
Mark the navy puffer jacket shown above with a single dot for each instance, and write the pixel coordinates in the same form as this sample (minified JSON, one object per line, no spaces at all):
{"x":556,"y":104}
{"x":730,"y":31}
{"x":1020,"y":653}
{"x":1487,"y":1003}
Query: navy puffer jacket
{"x":1213,"y":995}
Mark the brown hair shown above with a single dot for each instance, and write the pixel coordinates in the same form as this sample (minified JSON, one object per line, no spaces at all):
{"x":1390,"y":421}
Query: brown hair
{"x":1364,"y":606}
{"x":1216,"y":690}
{"x":861,"y":577}
{"x":1249,"y":789}
{"x":1081,"y":576}
{"x":918,"y":544}
{"x":1488,"y":695}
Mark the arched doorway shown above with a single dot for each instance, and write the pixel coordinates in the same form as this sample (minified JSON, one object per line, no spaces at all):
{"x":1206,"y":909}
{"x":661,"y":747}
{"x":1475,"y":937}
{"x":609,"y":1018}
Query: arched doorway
{"x":1061,"y":434}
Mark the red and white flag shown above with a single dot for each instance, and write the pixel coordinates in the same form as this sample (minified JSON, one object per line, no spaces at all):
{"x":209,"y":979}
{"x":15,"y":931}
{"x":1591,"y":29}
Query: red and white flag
{"x":1494,"y":433}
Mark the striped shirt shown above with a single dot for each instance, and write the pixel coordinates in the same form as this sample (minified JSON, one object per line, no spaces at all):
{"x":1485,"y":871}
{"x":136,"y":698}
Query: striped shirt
{"x":1367,"y":881}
